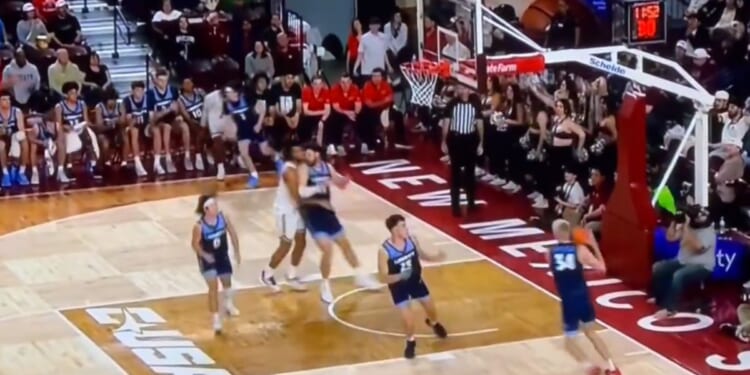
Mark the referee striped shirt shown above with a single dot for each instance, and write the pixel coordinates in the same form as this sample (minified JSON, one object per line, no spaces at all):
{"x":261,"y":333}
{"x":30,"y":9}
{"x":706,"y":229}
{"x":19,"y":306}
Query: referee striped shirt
{"x":464,"y":114}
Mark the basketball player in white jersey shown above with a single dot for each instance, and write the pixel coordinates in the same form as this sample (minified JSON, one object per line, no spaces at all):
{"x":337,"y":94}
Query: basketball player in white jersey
{"x":289,"y":222}
{"x":213,"y":119}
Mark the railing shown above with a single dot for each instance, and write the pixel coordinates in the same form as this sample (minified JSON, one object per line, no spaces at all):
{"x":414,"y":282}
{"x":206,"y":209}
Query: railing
{"x":121,"y":30}
{"x":85,"y":8}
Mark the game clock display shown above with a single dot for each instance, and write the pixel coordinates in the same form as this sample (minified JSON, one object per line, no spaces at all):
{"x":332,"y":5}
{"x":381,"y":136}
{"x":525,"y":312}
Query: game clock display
{"x":646,"y":22}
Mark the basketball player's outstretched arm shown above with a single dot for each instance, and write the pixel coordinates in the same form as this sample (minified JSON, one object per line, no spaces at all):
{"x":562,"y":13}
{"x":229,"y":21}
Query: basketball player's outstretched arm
{"x":235,"y":240}
{"x":196,"y":244}
{"x":304,"y":190}
{"x":424,"y":255}
{"x":339,"y":180}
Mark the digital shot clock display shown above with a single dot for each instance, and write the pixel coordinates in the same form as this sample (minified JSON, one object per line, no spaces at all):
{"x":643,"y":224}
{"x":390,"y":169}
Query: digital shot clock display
{"x":646,"y":22}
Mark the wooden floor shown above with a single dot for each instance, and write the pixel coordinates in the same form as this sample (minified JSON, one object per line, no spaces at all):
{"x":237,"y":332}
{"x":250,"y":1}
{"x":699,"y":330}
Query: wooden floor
{"x":104,"y":282}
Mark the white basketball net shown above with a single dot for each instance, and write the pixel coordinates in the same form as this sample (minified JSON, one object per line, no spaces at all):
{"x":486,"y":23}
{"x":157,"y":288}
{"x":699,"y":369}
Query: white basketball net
{"x":422,"y":83}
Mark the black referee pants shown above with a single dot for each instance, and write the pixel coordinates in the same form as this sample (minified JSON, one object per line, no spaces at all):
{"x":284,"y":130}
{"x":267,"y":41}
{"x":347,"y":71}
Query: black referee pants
{"x":462,"y":150}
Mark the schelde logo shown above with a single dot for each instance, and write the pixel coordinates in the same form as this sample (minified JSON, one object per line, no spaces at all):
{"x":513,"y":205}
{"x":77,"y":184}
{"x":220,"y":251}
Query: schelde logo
{"x":501,"y":68}
{"x":607,"y":66}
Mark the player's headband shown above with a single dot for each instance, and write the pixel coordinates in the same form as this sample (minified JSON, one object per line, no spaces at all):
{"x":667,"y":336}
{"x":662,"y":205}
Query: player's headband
{"x":208,"y":202}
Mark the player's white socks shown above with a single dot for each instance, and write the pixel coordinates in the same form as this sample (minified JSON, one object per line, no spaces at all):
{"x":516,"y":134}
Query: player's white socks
{"x":326,"y":295}
{"x":217,"y":321}
{"x":220,"y":172}
{"x":5,"y":170}
{"x":22,"y":169}
{"x":611,"y":365}
{"x":229,"y":302}
{"x":291,"y":273}
{"x":254,"y":174}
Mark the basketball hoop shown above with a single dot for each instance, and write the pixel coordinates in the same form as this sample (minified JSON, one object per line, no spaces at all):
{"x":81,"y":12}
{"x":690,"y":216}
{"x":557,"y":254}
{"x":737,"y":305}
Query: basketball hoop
{"x":422,"y":77}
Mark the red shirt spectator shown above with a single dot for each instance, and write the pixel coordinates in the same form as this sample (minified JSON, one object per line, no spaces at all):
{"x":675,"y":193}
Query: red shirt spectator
{"x":45,"y":8}
{"x":217,"y":37}
{"x":315,"y":102}
{"x":345,"y":95}
{"x":377,"y":93}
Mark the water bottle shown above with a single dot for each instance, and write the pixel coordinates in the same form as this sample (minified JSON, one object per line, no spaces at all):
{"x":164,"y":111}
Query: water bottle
{"x":722,"y":226}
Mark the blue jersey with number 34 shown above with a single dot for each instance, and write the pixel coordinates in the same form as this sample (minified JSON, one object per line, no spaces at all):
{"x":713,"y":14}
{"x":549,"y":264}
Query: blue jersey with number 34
{"x":567,"y":271}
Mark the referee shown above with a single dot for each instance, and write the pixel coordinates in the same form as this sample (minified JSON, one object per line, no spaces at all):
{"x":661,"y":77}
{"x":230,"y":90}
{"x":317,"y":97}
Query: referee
{"x":463,"y":136}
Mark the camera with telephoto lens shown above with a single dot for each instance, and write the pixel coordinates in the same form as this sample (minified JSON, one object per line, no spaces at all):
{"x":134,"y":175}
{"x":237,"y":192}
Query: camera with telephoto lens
{"x":698,"y":215}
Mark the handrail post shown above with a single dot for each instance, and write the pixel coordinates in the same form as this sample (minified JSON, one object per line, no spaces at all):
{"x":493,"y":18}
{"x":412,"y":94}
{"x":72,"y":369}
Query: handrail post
{"x":148,"y":69}
{"x":85,"y":6}
{"x":115,"y":53}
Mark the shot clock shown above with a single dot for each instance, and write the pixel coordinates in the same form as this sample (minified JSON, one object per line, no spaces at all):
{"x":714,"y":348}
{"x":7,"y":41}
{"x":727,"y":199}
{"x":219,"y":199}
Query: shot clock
{"x":646,"y":22}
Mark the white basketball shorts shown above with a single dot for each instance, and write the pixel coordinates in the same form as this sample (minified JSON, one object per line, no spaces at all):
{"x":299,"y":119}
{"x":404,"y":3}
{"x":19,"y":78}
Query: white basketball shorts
{"x":288,"y":224}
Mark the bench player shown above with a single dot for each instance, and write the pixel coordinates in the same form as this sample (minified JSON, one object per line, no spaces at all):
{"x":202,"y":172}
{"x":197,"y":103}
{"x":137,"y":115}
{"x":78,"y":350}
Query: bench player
{"x":289,"y":223}
{"x":211,"y":246}
{"x":249,"y":122}
{"x":315,"y":177}
{"x":71,"y":112}
{"x":566,"y":261}
{"x":108,"y":127}
{"x":190,"y":104}
{"x":163,"y":115}
{"x":12,"y":135}
{"x":135,"y":112}
{"x":400,"y":268}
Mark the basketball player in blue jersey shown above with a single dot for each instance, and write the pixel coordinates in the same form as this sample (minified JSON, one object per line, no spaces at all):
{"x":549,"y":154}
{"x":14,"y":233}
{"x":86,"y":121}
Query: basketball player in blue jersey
{"x":108,"y":127}
{"x":289,"y":223}
{"x":163,"y":115}
{"x":211,"y":245}
{"x":190,"y":106}
{"x":567,"y":261}
{"x":242,"y":111}
{"x":71,"y":112}
{"x":13,"y":139}
{"x":315,"y":178}
{"x":399,"y":267}
{"x":135,"y":113}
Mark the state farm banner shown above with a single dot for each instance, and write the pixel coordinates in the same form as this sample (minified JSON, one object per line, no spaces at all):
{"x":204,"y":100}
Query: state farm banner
{"x":515,"y":65}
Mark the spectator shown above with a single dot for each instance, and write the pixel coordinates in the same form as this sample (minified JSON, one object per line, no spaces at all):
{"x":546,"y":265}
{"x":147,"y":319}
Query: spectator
{"x":181,"y":48}
{"x":729,"y":13}
{"x":316,"y":110}
{"x":455,"y":50}
{"x":735,"y":125}
{"x":377,"y":96}
{"x":600,"y":191}
{"x":4,"y":36}
{"x":97,"y":80}
{"x":243,"y":43}
{"x":695,"y":260}
{"x":258,"y":91}
{"x":741,"y":331}
{"x":30,"y":28}
{"x":397,"y":34}
{"x":346,"y":104}
{"x":217,"y":38}
{"x":681,"y":53}
{"x":63,"y":71}
{"x":431,"y":36}
{"x":696,"y":34}
{"x":563,"y":30}
{"x":372,"y":51}
{"x":729,"y":174}
{"x":286,"y":97}
{"x":352,"y":46}
{"x":270,"y":36}
{"x":570,"y":198}
{"x":46,"y":8}
{"x":22,"y":77}
{"x":702,"y":68}
{"x":259,"y":62}
{"x":286,"y":60}
{"x":64,"y":27}
{"x":166,"y":13}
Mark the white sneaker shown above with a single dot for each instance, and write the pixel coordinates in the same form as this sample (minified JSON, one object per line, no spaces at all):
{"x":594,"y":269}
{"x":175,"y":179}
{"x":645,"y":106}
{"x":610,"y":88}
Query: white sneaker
{"x":268,"y":279}
{"x":367,"y":282}
{"x":445,"y":159}
{"x":331,"y":150}
{"x":326,"y":295}
{"x":170,"y":166}
{"x":295,"y":284}
{"x":210,"y":159}
{"x":158,"y":169}
{"x":540,"y":203}
{"x":188,"y":164}
{"x":139,"y":170}
{"x":511,"y":187}
{"x":498,"y":182}
{"x":199,"y":162}
{"x":35,"y":176}
{"x":478,"y":172}
{"x":220,"y":173}
{"x":533,"y":196}
{"x":341,"y":151}
{"x":365,"y":150}
{"x":62,"y":177}
{"x":230,"y":309}
{"x":488,"y":177}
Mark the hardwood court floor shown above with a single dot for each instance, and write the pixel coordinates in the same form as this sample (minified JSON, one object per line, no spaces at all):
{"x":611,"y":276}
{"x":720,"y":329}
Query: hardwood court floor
{"x":117,"y":291}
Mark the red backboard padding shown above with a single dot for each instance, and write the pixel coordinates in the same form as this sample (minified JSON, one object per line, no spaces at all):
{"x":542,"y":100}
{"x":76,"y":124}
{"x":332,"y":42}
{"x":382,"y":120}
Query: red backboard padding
{"x":629,"y":221}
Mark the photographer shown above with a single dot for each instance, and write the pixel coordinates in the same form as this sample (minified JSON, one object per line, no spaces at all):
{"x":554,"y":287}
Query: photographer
{"x":740,"y":331}
{"x":695,"y":260}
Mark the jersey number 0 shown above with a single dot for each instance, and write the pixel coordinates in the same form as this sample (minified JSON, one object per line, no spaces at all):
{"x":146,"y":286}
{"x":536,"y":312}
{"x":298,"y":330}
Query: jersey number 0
{"x":565,"y":262}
